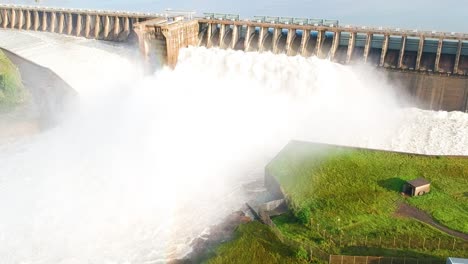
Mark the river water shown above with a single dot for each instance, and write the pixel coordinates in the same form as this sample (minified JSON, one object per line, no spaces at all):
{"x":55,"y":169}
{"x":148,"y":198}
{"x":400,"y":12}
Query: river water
{"x":145,"y":164}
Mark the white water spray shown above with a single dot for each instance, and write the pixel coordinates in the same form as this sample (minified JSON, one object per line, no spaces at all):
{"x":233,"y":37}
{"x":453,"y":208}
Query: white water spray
{"x":147,"y":164}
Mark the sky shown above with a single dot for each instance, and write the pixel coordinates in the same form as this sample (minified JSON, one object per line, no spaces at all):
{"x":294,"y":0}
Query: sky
{"x":448,"y":15}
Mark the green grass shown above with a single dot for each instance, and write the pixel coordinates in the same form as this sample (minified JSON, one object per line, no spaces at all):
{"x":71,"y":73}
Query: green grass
{"x":357,"y":191}
{"x":352,"y":195}
{"x":373,"y":251}
{"x":255,"y":243}
{"x":11,"y":88}
{"x":291,"y":227}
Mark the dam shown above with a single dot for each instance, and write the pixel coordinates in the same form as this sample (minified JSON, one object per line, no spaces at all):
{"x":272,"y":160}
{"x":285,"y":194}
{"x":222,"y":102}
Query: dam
{"x":389,"y":48}
{"x":431,"y":67}
{"x":405,"y":50}
{"x":426,"y":51}
{"x":134,"y":163}
{"x":103,"y":25}
{"x":145,"y":163}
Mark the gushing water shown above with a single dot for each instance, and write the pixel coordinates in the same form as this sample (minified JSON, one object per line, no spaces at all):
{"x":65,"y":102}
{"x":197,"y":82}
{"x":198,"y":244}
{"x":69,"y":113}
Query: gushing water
{"x":146,"y":164}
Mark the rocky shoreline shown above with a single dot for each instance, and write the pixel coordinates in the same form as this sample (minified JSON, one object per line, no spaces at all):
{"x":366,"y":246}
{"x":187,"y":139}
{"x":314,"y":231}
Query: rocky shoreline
{"x":204,"y":247}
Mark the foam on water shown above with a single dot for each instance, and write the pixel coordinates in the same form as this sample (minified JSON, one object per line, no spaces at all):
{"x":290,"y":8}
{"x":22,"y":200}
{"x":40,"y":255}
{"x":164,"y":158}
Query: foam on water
{"x":146,"y":164}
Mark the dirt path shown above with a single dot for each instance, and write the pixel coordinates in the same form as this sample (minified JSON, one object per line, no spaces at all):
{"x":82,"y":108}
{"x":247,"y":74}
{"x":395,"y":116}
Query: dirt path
{"x":407,"y":210}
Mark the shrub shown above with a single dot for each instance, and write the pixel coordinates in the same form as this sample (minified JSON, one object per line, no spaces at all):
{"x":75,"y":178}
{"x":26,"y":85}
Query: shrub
{"x":11,"y":87}
{"x":304,"y":215}
{"x":302,"y":254}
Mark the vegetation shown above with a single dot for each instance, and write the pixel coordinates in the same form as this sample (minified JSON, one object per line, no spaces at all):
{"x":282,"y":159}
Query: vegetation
{"x":256,"y":243}
{"x":345,"y":201}
{"x":11,"y":87}
{"x":357,"y":192}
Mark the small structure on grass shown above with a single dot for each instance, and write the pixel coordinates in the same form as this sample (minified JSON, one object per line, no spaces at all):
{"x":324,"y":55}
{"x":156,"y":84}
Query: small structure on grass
{"x":417,"y":187}
{"x":457,"y":261}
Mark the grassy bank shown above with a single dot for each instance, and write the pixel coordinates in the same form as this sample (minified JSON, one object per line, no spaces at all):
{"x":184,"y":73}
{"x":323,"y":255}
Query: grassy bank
{"x":354,"y":191}
{"x":256,"y":243}
{"x":345,"y":201}
{"x":11,"y":88}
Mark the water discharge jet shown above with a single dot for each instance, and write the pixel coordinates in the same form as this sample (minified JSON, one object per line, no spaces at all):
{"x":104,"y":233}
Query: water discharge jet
{"x":146,"y":164}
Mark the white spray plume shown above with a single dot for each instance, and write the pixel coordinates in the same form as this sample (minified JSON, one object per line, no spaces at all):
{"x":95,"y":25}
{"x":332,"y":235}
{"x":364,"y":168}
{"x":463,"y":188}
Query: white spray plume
{"x":147,"y":164}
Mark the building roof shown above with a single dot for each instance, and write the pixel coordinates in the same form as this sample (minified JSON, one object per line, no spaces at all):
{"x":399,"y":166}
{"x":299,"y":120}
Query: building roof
{"x":457,"y":261}
{"x":419,"y":182}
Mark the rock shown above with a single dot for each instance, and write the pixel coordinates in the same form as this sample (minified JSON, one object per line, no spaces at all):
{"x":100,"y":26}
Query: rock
{"x":203,"y":246}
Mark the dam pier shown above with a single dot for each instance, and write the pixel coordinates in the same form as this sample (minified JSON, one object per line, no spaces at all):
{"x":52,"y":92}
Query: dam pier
{"x":162,"y":38}
{"x":431,"y":66}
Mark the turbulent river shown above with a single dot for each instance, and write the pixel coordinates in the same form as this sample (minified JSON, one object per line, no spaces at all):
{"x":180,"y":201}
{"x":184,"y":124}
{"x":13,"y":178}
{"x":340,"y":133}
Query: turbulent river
{"x":145,"y":164}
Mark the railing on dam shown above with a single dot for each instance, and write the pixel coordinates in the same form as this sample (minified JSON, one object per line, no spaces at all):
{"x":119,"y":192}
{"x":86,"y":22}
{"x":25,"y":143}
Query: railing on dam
{"x":407,"y":50}
{"x":104,"y":25}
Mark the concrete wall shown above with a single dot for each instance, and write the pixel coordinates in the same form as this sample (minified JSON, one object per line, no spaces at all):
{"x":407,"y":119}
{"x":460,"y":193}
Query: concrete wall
{"x":432,"y":92}
{"x":179,"y":36}
{"x":103,"y":25}
{"x":51,"y":96}
{"x":160,"y":40}
{"x":434,"y":52}
{"x":432,"y":68}
{"x":445,"y":53}
{"x":273,"y":186}
{"x":421,"y":190}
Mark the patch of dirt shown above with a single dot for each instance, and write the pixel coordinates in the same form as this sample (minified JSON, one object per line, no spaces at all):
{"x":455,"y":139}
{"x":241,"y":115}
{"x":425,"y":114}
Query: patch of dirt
{"x":406,"y":210}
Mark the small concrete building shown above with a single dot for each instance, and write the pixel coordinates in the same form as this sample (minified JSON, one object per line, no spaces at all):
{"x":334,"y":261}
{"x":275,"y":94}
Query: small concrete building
{"x":417,"y":187}
{"x":456,"y":261}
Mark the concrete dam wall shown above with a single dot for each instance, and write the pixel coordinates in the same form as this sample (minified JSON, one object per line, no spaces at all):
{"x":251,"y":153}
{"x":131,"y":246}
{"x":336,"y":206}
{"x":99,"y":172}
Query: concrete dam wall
{"x":432,"y":92}
{"x":430,"y":66}
{"x":51,"y":95}
{"x":160,"y":39}
{"x":433,"y":52}
{"x":103,"y":25}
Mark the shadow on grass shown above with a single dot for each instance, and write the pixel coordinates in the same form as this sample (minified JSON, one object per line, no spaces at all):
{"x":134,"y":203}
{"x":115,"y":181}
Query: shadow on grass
{"x":391,"y":253}
{"x":392,"y":184}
